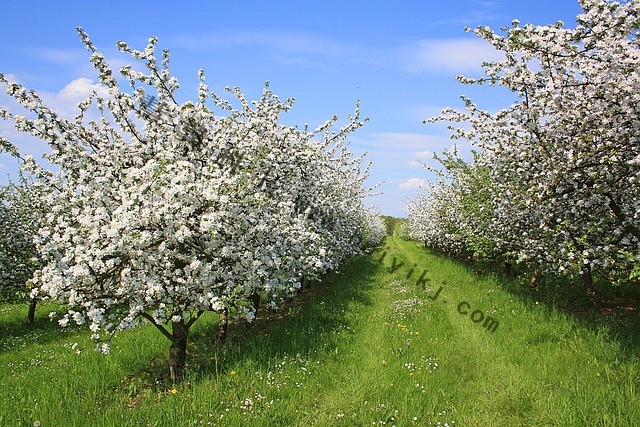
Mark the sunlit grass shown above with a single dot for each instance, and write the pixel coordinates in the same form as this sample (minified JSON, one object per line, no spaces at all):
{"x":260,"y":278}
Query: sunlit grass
{"x":369,"y":346}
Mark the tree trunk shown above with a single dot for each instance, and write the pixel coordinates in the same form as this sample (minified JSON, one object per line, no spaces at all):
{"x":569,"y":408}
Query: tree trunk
{"x":533,"y":284}
{"x":178,"y":351}
{"x":222,"y":327}
{"x":31,"y":316}
{"x":507,"y":269}
{"x":587,"y":283}
{"x":255,"y":302}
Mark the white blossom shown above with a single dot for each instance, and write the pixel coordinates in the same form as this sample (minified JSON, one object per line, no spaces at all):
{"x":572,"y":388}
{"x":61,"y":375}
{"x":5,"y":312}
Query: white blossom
{"x":169,"y":211}
{"x":556,"y":174}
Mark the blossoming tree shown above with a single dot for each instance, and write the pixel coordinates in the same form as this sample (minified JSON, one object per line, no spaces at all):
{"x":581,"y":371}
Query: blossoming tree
{"x":564,"y":159}
{"x":21,"y":216}
{"x":163,"y":210}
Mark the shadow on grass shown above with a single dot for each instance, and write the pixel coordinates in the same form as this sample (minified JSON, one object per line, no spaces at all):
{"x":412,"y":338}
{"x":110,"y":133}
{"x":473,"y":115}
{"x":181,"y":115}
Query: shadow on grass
{"x":15,"y":331}
{"x":619,"y":312}
{"x":302,"y":326}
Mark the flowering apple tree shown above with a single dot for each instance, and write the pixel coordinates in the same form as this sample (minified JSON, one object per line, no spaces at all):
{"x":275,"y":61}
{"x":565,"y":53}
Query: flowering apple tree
{"x":21,"y":216}
{"x":375,"y":228}
{"x":163,"y":210}
{"x":564,"y":159}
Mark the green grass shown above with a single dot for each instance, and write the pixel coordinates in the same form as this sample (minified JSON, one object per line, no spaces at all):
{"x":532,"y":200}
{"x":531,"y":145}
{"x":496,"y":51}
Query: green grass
{"x":366,"y":347}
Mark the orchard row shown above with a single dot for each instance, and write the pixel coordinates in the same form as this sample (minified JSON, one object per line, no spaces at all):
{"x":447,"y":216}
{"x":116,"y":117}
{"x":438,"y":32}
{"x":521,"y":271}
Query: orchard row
{"x":554,"y":181}
{"x":159,"y":213}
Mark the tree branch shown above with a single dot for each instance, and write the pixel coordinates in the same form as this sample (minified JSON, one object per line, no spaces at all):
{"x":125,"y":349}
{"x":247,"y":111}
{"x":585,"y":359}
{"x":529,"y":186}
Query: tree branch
{"x":157,"y":325}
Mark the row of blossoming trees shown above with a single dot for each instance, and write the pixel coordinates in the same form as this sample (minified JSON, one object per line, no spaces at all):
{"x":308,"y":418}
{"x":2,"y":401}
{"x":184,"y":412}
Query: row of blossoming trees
{"x":554,"y":182}
{"x":162,"y":210}
{"x":21,"y":215}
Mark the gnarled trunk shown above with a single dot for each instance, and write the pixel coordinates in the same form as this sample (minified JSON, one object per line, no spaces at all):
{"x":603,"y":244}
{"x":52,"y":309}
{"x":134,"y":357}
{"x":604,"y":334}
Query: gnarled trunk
{"x":178,"y":351}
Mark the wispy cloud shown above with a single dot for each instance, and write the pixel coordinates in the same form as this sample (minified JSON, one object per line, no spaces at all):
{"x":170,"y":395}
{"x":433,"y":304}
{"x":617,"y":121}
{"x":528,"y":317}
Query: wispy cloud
{"x":58,"y":56}
{"x":403,"y":141}
{"x":394,"y":151}
{"x":77,"y":59}
{"x":290,"y":48}
{"x":458,"y":55}
{"x":472,"y":18}
{"x":481,"y":13}
{"x":271,"y":40}
{"x":419,"y":112}
{"x":424,"y":155}
{"x":397,"y":157}
{"x":411,"y":184}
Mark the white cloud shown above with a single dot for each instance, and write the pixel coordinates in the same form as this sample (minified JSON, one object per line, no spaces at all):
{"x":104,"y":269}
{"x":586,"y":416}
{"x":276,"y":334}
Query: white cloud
{"x":80,"y":88}
{"x":427,"y":154}
{"x":458,"y":55}
{"x":65,"y":101}
{"x":394,"y":151}
{"x":411,"y":184}
{"x":404,"y":141}
{"x":420,"y":159}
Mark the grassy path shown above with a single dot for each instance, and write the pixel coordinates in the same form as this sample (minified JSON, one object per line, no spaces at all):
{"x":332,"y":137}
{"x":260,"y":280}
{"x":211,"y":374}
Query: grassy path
{"x":401,"y":337}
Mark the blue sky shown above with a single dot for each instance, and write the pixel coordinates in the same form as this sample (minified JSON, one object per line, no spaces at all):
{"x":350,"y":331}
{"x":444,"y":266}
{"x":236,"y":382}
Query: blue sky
{"x":400,"y":58}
